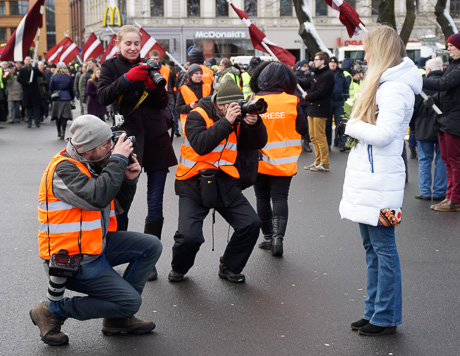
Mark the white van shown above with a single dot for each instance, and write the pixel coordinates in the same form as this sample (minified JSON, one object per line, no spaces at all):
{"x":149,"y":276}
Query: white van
{"x":247,"y":59}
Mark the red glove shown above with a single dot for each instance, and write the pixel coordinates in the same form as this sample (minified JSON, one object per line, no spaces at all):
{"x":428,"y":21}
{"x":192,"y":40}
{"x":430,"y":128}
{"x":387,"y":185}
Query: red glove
{"x":149,"y":84}
{"x":138,"y":73}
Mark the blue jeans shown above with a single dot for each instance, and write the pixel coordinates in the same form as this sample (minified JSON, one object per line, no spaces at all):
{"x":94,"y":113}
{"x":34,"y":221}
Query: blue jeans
{"x":108,"y":295}
{"x":384,"y":292}
{"x":426,"y":152}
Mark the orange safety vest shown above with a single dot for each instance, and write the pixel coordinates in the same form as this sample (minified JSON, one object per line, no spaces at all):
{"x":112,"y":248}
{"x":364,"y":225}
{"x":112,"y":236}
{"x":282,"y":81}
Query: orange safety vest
{"x":208,"y":74}
{"x":190,"y":97}
{"x":283,"y":148}
{"x":164,"y":71}
{"x":67,"y":224}
{"x":223,"y":157}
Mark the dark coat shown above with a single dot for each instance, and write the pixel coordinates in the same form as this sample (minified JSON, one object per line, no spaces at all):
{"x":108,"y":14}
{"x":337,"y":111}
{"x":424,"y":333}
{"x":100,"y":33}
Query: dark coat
{"x":149,"y":122}
{"x":30,"y":91}
{"x":94,"y":106}
{"x":341,"y":86}
{"x":449,"y":98}
{"x":424,"y":121}
{"x":204,"y":140}
{"x":320,"y":92}
{"x":64,"y":84}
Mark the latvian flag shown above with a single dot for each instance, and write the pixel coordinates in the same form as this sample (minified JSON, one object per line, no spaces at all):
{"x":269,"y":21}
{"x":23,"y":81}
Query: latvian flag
{"x":65,"y":51}
{"x":93,"y":48}
{"x":111,"y":50}
{"x":148,"y":43}
{"x":18,"y":46}
{"x":347,"y":16}
{"x":257,"y":37}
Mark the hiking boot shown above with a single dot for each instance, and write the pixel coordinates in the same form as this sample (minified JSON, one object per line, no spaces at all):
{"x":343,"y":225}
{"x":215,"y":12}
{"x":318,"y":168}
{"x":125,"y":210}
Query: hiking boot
{"x":174,"y":276}
{"x":447,"y":205}
{"x":49,"y":325}
{"x":225,"y":273}
{"x":132,"y":325}
{"x":308,"y":168}
{"x":358,"y":324}
{"x":319,"y":168}
{"x":374,"y":330}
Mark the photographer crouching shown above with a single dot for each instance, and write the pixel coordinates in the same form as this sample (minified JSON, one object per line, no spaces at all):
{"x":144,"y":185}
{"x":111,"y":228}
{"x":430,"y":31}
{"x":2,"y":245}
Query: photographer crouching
{"x":207,"y":178}
{"x":81,"y":190}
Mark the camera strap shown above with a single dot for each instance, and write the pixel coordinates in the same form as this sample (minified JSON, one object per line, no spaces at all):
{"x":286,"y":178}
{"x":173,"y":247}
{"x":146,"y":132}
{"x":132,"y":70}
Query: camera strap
{"x":139,"y":102}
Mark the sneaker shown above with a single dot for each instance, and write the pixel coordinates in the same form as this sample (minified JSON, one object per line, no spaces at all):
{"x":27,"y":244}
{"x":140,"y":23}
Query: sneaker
{"x":447,"y":205}
{"x":319,"y":168}
{"x":225,"y":273}
{"x":308,"y":168}
{"x":374,"y":330}
{"x":49,"y":325}
{"x":132,"y":325}
{"x":174,"y":276}
{"x":358,"y":324}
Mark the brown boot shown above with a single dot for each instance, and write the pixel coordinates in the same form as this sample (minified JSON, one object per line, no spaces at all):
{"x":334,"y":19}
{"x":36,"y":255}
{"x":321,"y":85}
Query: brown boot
{"x":49,"y":325}
{"x":132,"y":325}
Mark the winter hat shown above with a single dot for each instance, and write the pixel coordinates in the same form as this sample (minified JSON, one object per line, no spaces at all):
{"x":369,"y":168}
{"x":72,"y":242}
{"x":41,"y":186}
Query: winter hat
{"x":212,"y":61}
{"x":61,"y":65}
{"x":195,"y":56}
{"x":302,"y":63}
{"x":455,"y":40}
{"x":228,"y":92}
{"x":422,"y":61}
{"x":193,"y":69}
{"x":89,"y":132}
{"x":274,"y":76}
{"x":333,"y":60}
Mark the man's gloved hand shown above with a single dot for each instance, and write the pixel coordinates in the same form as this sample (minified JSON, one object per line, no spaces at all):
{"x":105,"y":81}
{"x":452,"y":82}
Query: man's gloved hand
{"x":149,"y":84}
{"x":341,"y":126}
{"x":138,"y":73}
{"x":428,"y":102}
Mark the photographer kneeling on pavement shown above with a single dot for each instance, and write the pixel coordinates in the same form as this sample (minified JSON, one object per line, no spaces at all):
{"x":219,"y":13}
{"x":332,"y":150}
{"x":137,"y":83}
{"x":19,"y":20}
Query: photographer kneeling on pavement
{"x":207,"y":178}
{"x":80,"y":190}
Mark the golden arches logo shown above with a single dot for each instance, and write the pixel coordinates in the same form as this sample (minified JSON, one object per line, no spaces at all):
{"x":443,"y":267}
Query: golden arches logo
{"x":112,"y":12}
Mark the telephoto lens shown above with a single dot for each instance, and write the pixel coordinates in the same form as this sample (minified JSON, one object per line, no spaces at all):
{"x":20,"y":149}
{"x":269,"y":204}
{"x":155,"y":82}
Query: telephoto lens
{"x":56,"y":288}
{"x":155,"y":75}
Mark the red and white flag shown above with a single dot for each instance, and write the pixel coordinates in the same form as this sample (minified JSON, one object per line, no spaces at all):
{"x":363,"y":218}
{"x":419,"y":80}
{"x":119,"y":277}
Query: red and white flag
{"x":111,"y":50}
{"x":258,"y":37}
{"x":18,"y":46}
{"x":148,"y":43}
{"x":65,"y":51}
{"x":347,"y":16}
{"x":92,"y":48}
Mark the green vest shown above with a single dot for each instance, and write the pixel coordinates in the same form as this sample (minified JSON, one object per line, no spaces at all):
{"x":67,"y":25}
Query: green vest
{"x":246,"y":88}
{"x":1,"y":78}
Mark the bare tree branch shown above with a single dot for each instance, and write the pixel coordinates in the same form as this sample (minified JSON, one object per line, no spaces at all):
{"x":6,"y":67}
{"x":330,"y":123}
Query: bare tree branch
{"x":446,"y":23}
{"x":408,"y":21}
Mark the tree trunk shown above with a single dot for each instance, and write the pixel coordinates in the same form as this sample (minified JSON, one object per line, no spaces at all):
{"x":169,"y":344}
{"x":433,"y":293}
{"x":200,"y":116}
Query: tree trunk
{"x":387,"y":13}
{"x":443,"y":21}
{"x":307,"y":30}
{"x":408,"y":21}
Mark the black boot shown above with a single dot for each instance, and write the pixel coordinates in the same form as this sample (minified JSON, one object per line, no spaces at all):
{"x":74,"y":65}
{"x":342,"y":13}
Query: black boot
{"x":267,"y":230}
{"x":413,"y":153}
{"x":153,"y":227}
{"x":279,"y":229}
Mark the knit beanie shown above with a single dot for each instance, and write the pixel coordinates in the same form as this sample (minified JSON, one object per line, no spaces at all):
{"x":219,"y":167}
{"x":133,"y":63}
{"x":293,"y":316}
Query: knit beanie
{"x":195,"y":56}
{"x":61,"y":65}
{"x":228,"y":92}
{"x":89,"y":132}
{"x":455,"y":40}
{"x":193,"y":69}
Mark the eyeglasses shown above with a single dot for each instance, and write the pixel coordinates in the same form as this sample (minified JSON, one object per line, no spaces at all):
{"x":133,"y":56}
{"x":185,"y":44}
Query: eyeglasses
{"x":317,"y":59}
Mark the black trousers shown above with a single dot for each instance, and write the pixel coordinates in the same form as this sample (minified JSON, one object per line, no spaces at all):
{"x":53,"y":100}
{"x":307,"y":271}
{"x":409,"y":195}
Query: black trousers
{"x":189,"y":236}
{"x":272,"y":190}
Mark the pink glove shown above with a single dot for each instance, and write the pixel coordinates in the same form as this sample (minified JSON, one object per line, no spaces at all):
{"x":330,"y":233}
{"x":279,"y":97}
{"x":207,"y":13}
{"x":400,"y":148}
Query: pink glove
{"x":137,"y":73}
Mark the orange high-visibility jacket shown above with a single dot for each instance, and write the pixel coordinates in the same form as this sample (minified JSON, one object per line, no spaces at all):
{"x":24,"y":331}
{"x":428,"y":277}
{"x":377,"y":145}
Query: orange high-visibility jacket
{"x":208,"y":74}
{"x":223,"y":157}
{"x":190,"y":97}
{"x":165,"y":71}
{"x":283,"y":148}
{"x":66,"y":222}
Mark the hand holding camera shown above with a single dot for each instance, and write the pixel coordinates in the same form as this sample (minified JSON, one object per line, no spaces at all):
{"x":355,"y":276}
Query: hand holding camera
{"x":138,"y":73}
{"x":233,"y":111}
{"x":123,"y":146}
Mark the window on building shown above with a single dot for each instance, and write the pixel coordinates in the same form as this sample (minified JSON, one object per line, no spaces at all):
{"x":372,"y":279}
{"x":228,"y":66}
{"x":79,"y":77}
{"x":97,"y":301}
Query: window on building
{"x":193,"y":8}
{"x":157,"y":8}
{"x":123,"y":11}
{"x":19,"y":8}
{"x":321,"y":8}
{"x":50,"y":24}
{"x":221,"y":8}
{"x":375,"y":7}
{"x":3,"y":34}
{"x":2,"y":8}
{"x":455,"y":8}
{"x":286,"y":8}
{"x":250,"y":7}
{"x":352,"y":3}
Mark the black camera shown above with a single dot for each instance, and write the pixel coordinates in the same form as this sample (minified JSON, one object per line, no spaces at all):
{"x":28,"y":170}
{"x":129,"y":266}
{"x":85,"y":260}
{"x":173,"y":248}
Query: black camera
{"x":116,"y":135}
{"x":253,"y":107}
{"x":64,"y":265}
{"x":155,"y":75}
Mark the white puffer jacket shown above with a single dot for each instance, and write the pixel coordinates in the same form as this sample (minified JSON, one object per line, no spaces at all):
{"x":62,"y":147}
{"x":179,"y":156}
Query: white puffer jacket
{"x":365,"y":192}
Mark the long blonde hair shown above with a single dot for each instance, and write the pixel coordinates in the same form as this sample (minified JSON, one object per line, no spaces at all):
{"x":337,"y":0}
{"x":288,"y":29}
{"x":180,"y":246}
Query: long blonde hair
{"x":385,"y":50}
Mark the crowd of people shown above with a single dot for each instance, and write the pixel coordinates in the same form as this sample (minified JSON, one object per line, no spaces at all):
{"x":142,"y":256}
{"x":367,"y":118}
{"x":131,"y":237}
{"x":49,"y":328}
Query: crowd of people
{"x":228,"y":146}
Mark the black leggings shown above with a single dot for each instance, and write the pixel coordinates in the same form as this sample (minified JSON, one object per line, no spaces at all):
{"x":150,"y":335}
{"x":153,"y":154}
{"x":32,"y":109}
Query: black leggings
{"x":272,"y":188}
{"x":61,"y":125}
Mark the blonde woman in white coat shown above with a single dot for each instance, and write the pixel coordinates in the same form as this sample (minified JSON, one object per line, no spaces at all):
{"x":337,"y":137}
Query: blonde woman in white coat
{"x":375,"y":175}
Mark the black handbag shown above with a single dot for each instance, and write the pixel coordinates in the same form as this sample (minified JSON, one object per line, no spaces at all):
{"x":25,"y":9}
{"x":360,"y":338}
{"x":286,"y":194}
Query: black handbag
{"x":56,"y":95}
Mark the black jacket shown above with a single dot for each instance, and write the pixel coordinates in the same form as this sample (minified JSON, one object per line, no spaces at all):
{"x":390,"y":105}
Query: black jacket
{"x":203,"y":141}
{"x":449,"y":86}
{"x":424,"y":122}
{"x":320,"y":92}
{"x":30,"y":89}
{"x":341,"y":86}
{"x":149,"y":122}
{"x":181,"y":107}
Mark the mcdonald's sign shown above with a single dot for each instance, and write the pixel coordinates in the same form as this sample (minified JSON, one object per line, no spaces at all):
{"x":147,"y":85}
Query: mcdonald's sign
{"x":112,"y":13}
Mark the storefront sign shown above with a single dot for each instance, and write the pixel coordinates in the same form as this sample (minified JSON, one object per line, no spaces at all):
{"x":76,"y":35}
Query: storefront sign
{"x":220,"y":34}
{"x":341,"y":43}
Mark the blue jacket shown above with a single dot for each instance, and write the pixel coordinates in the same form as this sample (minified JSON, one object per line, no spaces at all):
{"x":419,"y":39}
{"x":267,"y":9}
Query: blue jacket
{"x":62,"y":82}
{"x":341,"y":86}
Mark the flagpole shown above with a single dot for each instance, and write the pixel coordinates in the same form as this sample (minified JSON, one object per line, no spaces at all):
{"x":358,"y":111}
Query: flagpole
{"x":79,"y":59}
{"x":35,"y":56}
{"x":175,"y":61}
